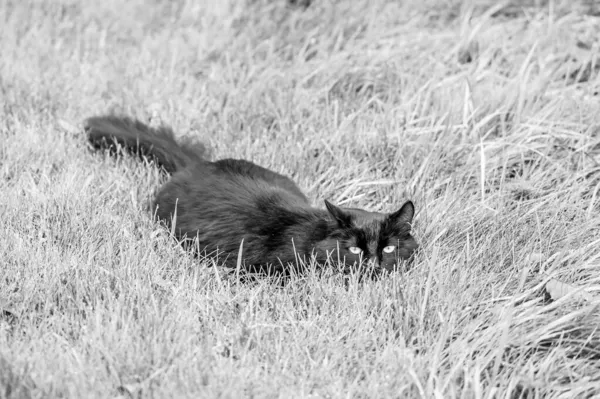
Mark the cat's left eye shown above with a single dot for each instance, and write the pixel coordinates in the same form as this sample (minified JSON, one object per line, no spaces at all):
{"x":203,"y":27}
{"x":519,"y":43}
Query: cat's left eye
{"x":355,"y":250}
{"x":389,"y":249}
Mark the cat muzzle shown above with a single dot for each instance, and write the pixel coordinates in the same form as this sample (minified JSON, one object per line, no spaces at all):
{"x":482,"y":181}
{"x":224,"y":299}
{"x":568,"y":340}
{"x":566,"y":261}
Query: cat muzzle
{"x":371,"y":263}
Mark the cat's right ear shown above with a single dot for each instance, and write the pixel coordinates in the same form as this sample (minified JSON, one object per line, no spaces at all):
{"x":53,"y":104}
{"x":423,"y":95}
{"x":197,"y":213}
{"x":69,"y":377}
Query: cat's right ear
{"x":338,"y":214}
{"x":405,"y":214}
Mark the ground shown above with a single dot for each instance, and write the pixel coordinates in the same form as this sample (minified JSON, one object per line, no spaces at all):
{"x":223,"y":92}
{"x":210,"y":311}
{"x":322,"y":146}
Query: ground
{"x":485,"y":114}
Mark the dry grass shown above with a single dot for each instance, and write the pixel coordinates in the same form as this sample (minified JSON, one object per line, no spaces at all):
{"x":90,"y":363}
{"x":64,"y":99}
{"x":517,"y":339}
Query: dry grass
{"x":486,"y":116}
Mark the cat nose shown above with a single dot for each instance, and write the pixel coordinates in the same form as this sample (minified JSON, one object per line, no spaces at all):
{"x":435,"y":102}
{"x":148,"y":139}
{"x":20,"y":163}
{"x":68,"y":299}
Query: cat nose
{"x":372,"y":262}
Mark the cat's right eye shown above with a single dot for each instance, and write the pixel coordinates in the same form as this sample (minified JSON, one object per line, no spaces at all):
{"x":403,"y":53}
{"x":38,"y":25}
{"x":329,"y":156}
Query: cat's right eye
{"x":389,"y":249}
{"x":355,"y":250}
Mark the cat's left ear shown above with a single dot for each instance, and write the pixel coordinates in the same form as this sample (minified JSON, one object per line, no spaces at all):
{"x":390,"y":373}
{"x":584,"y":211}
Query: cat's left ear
{"x":404,"y":214}
{"x":343,"y":219}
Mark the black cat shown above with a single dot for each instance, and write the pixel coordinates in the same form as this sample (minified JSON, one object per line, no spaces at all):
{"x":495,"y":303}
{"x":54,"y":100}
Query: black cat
{"x":221,"y":203}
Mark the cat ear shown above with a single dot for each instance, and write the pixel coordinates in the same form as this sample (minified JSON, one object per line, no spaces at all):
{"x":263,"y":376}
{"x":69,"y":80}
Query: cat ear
{"x":338,"y":214}
{"x":404,"y":214}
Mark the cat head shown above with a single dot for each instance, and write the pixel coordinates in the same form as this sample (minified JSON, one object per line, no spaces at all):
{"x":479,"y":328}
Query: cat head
{"x":380,"y":239}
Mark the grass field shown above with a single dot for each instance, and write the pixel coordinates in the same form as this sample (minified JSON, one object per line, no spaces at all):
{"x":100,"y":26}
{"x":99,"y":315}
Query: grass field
{"x":485,"y":114}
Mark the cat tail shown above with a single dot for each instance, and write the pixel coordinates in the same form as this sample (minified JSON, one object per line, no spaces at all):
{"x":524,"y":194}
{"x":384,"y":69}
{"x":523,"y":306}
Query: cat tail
{"x":158,"y":144}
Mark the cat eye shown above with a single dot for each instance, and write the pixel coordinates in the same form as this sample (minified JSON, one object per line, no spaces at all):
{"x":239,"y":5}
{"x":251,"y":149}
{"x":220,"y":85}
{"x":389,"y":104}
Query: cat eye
{"x":355,"y":250}
{"x":389,"y":249}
